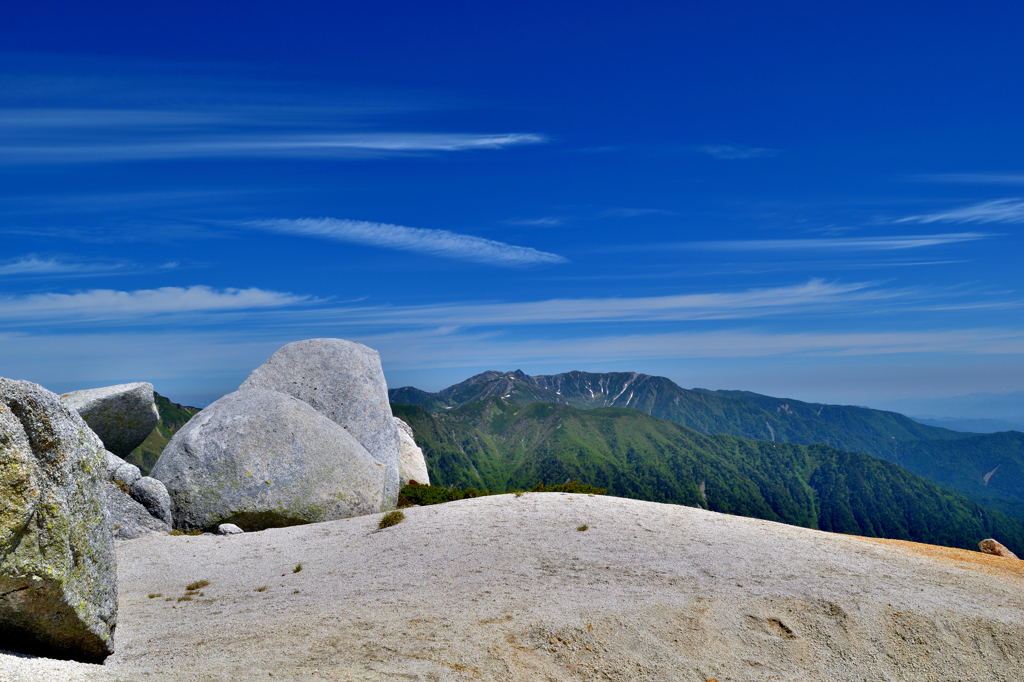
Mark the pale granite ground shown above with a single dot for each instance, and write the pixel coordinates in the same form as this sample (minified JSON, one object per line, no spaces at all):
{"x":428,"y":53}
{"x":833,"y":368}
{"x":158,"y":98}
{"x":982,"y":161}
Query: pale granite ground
{"x":507,"y":588}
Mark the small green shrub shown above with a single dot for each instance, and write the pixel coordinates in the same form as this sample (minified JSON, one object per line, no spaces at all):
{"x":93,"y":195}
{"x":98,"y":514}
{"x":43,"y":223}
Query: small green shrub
{"x":391,"y":519}
{"x":415,"y":493}
{"x":582,"y":528}
{"x":185,"y":597}
{"x":570,"y":487}
{"x":154,"y":595}
{"x":197,"y":585}
{"x":298,"y":567}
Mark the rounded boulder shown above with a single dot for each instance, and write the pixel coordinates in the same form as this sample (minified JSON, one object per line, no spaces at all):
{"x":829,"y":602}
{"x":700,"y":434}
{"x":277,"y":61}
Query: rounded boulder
{"x":343,"y":381}
{"x":262,"y":459}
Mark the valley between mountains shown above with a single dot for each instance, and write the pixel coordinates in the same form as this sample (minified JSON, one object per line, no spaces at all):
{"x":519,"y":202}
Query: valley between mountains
{"x":845,"y":469}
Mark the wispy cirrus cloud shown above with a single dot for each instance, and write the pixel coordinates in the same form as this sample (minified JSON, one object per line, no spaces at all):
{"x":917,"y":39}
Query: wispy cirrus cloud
{"x":460,"y":349}
{"x":850,"y":244}
{"x":34,"y":266}
{"x":750,"y":303}
{"x":997,"y":211}
{"x":420,"y":240}
{"x":128,"y":306}
{"x":547,"y":221}
{"x":732,"y":152}
{"x":267,"y":145}
{"x":974,"y":178}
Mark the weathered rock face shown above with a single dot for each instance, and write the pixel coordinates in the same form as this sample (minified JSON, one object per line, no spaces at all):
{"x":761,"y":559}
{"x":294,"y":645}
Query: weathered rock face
{"x":412,"y":464}
{"x":129,"y":519}
{"x":344,"y":382}
{"x":58,"y":589}
{"x":262,"y":459}
{"x":146,"y":491}
{"x":990,"y":546}
{"x":122,"y":416}
{"x":152,"y":495}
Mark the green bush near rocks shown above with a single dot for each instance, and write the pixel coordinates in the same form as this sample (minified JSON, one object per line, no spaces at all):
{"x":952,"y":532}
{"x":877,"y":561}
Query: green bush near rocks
{"x":417,"y":494}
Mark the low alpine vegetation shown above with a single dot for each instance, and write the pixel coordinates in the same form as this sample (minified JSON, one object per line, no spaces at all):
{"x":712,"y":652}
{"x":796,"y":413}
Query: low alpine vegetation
{"x":416,"y":494}
{"x":391,"y":519}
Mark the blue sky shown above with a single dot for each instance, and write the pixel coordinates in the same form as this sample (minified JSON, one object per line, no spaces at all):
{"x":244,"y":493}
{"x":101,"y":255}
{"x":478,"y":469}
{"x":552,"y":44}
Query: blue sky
{"x":794,"y":199}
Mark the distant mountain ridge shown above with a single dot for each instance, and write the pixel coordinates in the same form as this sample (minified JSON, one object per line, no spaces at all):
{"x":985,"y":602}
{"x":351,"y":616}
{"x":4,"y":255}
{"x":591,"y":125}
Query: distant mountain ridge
{"x":737,"y":413}
{"x":499,"y":444}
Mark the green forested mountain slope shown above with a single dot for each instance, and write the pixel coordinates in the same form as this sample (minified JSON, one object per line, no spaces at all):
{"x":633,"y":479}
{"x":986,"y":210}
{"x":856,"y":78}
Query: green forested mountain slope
{"x":738,"y":413}
{"x":172,"y":417}
{"x":988,"y":468}
{"x":501,"y":445}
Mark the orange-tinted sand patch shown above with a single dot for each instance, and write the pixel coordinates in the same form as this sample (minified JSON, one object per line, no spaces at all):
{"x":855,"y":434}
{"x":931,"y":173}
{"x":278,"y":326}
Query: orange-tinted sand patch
{"x":960,"y":558}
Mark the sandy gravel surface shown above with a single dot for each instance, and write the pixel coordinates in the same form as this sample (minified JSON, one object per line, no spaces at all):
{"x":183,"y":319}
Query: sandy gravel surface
{"x":507,"y":588}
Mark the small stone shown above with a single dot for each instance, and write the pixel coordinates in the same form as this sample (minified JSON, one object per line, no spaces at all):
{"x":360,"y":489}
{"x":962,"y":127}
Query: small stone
{"x":990,"y":546}
{"x":228,"y":529}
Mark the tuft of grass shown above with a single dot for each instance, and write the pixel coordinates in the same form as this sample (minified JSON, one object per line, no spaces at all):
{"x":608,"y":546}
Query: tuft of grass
{"x":295,"y":591}
{"x":194,"y":531}
{"x":298,"y":567}
{"x":185,"y":597}
{"x":154,"y":595}
{"x":262,"y":588}
{"x":518,"y":493}
{"x":582,"y":528}
{"x":124,"y":487}
{"x":197,"y":585}
{"x":391,"y":519}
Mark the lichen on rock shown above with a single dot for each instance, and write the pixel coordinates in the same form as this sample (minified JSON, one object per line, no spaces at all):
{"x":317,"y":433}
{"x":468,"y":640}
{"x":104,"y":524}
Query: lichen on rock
{"x":58,"y":590}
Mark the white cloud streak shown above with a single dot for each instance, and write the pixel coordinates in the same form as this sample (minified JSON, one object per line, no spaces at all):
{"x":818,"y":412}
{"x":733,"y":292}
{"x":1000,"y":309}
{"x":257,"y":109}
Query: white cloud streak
{"x":975,"y":178}
{"x":128,"y":306}
{"x":33,"y":266}
{"x":814,"y":295}
{"x":731,"y":152}
{"x":997,"y":211}
{"x":893,"y":243}
{"x":345,"y":145}
{"x":433,"y":242}
{"x":406,"y":351}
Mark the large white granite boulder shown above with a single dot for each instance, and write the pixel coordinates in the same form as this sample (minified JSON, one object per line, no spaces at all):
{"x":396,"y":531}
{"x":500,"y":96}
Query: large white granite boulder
{"x":262,"y":459}
{"x":58,"y":576}
{"x":412,"y":464}
{"x":343,"y":381}
{"x":122,"y":416}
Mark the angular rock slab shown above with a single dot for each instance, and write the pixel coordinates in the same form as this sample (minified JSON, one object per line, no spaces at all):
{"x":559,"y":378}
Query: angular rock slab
{"x":129,"y":519}
{"x":122,"y":416}
{"x":412,"y":464}
{"x":58,"y":576}
{"x":262,"y":459}
{"x":343,"y":381}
